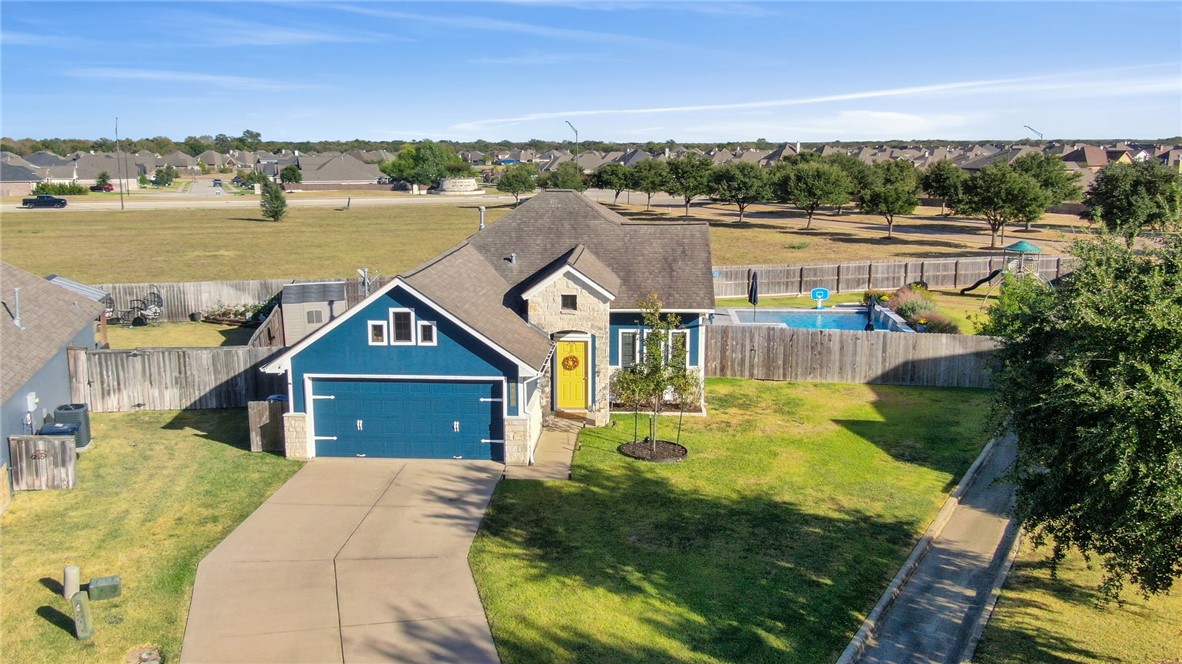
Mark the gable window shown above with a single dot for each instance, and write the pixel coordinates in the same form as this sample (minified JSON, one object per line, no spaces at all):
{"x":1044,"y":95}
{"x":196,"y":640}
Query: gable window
{"x":570,"y":302}
{"x":377,"y":333}
{"x":427,"y":333}
{"x":315,"y":317}
{"x":402,"y":328}
{"x":629,"y":348}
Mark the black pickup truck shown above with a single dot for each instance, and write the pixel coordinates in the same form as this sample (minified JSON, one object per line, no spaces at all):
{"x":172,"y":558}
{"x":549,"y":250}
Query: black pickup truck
{"x":44,"y":200}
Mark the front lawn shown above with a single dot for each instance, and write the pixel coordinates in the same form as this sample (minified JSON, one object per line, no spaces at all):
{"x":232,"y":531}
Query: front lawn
{"x":1041,"y":619}
{"x":155,"y":494}
{"x":796,"y":507}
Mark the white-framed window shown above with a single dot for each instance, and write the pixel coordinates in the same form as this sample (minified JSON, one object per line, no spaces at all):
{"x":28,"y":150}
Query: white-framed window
{"x":315,"y":316}
{"x":402,"y":327}
{"x":629,"y":348}
{"x":427,"y":334}
{"x":378,"y":333}
{"x":678,"y":339}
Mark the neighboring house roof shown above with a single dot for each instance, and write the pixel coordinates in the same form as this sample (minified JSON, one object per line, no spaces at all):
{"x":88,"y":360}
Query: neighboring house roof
{"x":179,"y":159}
{"x":339,"y":168}
{"x":1007,"y":156}
{"x":1088,"y":155}
{"x":45,"y":159}
{"x":634,"y":157}
{"x":88,"y":166}
{"x":1171,"y":158}
{"x":50,"y":318}
{"x":14,"y":159}
{"x":13,"y":173}
{"x":212,"y":158}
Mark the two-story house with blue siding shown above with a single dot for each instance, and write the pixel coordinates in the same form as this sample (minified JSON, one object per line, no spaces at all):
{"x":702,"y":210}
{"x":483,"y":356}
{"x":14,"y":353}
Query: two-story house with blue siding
{"x":465,"y":355}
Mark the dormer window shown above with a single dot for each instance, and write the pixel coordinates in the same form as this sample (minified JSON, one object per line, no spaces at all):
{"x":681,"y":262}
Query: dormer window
{"x":570,"y":302}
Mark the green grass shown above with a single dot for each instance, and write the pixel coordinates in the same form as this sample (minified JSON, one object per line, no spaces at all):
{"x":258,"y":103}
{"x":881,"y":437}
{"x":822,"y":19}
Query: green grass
{"x":770,"y":543}
{"x":178,"y":335}
{"x":234,"y":243}
{"x":1040,"y":619}
{"x":961,"y":309}
{"x":155,"y":494}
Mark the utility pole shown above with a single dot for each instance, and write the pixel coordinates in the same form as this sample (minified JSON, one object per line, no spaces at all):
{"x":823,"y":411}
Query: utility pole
{"x":119,"y":157}
{"x":1035,"y":131}
{"x":576,"y":145}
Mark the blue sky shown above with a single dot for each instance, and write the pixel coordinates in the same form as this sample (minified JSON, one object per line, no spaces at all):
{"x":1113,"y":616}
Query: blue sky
{"x":629,"y":72}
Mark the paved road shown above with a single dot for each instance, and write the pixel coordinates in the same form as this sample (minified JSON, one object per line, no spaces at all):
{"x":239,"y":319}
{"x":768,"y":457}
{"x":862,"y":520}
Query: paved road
{"x":352,"y":560}
{"x":934,"y":613}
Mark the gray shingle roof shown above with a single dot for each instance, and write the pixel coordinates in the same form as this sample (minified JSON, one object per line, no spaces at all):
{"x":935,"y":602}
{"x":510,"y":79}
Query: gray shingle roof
{"x":14,"y":173}
{"x":479,"y":282}
{"x":51,"y":317}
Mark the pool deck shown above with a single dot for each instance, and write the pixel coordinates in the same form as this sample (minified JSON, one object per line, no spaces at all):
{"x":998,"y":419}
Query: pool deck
{"x":741,"y":316}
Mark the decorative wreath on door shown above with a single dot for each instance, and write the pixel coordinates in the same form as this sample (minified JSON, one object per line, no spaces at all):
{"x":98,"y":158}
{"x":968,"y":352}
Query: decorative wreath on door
{"x":570,"y":363}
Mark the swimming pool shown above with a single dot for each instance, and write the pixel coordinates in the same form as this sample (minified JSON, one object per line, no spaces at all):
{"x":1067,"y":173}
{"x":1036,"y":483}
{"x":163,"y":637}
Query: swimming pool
{"x":845,"y":318}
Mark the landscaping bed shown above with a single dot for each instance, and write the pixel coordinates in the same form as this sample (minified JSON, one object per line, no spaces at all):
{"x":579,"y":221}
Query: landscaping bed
{"x":770,"y":542}
{"x":156,"y":492}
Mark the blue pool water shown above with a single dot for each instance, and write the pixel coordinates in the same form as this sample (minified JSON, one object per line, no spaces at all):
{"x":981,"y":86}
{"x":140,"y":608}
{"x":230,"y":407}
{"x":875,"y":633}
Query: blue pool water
{"x":815,"y":319}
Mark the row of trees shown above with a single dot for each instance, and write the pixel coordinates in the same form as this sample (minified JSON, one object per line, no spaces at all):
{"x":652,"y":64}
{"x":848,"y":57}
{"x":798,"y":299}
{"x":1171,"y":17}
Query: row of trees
{"x":1001,"y":194}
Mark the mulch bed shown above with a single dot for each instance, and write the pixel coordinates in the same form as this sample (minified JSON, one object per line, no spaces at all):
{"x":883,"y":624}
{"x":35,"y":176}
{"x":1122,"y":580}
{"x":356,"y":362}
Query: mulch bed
{"x":666,"y":452}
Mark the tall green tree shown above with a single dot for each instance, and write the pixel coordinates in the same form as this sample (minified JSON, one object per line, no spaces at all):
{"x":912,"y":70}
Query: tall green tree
{"x":566,"y":175}
{"x":103,"y":180}
{"x":689,"y":177}
{"x":165,"y":176}
{"x":1054,"y":180}
{"x":291,"y":174}
{"x":611,"y":176}
{"x":943,"y":180}
{"x":649,"y":177}
{"x":889,"y":200}
{"x":809,"y":185}
{"x":741,"y":184}
{"x":1091,"y":378}
{"x":518,"y":179}
{"x":423,"y":164}
{"x":860,"y":174}
{"x":1000,"y":195}
{"x":250,"y":139}
{"x":1129,"y":199}
{"x":272,"y":202}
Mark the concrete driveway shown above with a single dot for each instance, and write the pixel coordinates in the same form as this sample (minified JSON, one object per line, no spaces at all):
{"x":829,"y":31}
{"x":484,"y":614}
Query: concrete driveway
{"x":352,"y":560}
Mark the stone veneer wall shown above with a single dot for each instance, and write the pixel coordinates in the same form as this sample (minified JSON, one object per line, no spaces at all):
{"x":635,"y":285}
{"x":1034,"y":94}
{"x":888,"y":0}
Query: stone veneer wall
{"x":545,"y":311}
{"x":295,"y":436}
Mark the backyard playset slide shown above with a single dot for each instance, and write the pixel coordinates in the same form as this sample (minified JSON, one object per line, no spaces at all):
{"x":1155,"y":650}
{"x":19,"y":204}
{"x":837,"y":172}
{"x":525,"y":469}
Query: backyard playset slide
{"x":983,"y":281}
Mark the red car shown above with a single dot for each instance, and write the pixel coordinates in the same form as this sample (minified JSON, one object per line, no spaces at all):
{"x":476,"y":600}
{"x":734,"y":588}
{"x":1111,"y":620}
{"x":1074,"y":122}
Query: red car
{"x":105,"y":187}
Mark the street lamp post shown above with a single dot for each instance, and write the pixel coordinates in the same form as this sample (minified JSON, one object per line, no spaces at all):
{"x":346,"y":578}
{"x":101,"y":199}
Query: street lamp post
{"x":572,"y":127}
{"x":1035,"y":131}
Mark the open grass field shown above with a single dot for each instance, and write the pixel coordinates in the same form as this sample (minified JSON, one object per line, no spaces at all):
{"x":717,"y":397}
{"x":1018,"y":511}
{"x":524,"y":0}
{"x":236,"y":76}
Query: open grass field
{"x":175,"y":244}
{"x":769,"y":544}
{"x":964,"y":310}
{"x":213,"y":244}
{"x":157,"y":491}
{"x":1040,"y":619}
{"x":178,"y":335}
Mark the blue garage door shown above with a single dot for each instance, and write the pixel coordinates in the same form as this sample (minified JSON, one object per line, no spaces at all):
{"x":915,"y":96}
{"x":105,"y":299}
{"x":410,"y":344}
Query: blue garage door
{"x":408,"y":419}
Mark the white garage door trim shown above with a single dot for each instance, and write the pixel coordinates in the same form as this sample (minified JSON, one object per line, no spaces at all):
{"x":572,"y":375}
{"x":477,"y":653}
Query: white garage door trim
{"x":309,"y":397}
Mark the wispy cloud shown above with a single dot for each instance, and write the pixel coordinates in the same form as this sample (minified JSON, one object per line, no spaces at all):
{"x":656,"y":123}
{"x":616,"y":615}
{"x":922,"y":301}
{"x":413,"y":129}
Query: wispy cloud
{"x":699,"y":7}
{"x":1075,"y":84}
{"x":456,"y":20}
{"x":231,"y":32}
{"x":539,"y":58}
{"x":240,"y":83}
{"x":9,"y":38}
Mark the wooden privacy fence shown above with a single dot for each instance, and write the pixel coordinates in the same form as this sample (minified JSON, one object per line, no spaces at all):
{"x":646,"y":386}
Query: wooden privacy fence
{"x":265,"y":420}
{"x":731,"y":280}
{"x":171,"y":378}
{"x":184,"y":298}
{"x":270,"y":333}
{"x":43,"y":462}
{"x":768,"y":352}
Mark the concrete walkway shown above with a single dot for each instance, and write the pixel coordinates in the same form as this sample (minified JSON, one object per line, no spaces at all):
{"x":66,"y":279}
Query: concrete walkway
{"x":552,"y":457}
{"x":934,"y":614}
{"x":352,"y":560}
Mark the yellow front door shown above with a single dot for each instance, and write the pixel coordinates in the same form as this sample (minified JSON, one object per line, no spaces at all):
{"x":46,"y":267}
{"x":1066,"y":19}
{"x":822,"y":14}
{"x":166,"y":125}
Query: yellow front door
{"x":570,"y":359}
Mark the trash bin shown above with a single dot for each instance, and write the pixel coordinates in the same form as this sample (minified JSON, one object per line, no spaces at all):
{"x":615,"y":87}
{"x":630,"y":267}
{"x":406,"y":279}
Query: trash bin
{"x":75,"y":412}
{"x":63,"y":429}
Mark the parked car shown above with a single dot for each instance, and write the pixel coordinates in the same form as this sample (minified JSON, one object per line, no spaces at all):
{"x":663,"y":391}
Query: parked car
{"x":105,"y":187}
{"x":44,"y":200}
{"x":217,"y":182}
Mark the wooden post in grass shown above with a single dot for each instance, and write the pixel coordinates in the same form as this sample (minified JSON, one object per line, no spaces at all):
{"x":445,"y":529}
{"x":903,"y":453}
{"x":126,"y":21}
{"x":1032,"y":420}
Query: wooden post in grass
{"x":71,"y":581}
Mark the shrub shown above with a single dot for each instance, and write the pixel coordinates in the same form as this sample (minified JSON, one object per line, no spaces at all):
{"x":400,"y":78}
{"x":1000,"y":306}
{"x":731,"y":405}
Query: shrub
{"x":912,"y":307}
{"x":882,"y":296}
{"x":60,"y":189}
{"x":936,"y":323}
